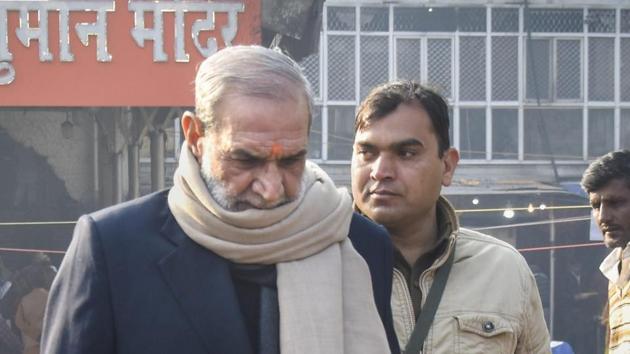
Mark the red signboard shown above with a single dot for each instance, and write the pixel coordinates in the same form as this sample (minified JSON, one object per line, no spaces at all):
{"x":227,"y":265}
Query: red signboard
{"x":114,"y":53}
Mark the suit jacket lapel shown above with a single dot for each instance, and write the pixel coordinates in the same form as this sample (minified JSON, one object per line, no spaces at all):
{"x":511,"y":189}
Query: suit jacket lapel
{"x":202,"y":283}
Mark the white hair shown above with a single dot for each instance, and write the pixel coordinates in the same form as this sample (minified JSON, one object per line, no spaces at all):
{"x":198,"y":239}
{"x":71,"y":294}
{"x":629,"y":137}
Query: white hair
{"x":249,"y":71}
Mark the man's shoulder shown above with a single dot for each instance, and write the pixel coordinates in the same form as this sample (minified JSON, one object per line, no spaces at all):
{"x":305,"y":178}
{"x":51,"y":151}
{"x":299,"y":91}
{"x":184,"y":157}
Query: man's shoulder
{"x":131,"y":220}
{"x":137,"y":209}
{"x":475,"y":242}
{"x":363,"y":228}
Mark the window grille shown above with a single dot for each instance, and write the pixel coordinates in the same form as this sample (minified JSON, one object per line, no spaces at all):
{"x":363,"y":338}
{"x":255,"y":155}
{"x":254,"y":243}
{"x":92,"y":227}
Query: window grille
{"x":341,"y":18}
{"x":310,"y":67}
{"x":601,"y":74}
{"x":505,"y":68}
{"x":472,"y":137}
{"x":472,"y":69}
{"x":601,"y":21}
{"x":408,"y":59}
{"x":563,"y":128}
{"x":374,"y":63}
{"x":624,"y":77}
{"x":341,"y":68}
{"x":505,"y":20}
{"x":555,"y":20}
{"x":601,"y":125}
{"x":340,"y":132}
{"x":374,"y":19}
{"x":440,"y":65}
{"x":505,"y":134}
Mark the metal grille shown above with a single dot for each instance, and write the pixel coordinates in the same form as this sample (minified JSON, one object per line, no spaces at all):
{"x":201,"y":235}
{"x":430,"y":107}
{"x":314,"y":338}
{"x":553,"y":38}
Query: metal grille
{"x":440,"y":65}
{"x":374,"y":62}
{"x":625,"y":129}
{"x":315,"y":135}
{"x":601,"y":125}
{"x":504,"y":68}
{"x":563,"y":128}
{"x":408,"y":59}
{"x":472,"y":133}
{"x":341,"y":68}
{"x":538,"y":69}
{"x":625,"y":21}
{"x":341,"y":18}
{"x":601,"y":66}
{"x":555,"y":20}
{"x":601,"y":21}
{"x":505,"y":134}
{"x":569,"y":68}
{"x":310,"y":67}
{"x":624,"y":80}
{"x":425,"y":19}
{"x":472,"y":73}
{"x":471,"y":19}
{"x":340,"y":132}
{"x":504,"y":20}
{"x":374,"y":19}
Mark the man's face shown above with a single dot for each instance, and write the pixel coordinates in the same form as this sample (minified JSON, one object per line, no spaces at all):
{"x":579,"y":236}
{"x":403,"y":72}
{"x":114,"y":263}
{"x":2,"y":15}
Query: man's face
{"x":255,"y":158}
{"x":397,"y":174}
{"x":611,"y":210}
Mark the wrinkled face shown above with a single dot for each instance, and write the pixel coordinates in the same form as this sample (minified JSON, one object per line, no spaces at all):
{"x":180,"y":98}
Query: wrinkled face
{"x":255,"y":159}
{"x":611,"y":210}
{"x":397,"y":174}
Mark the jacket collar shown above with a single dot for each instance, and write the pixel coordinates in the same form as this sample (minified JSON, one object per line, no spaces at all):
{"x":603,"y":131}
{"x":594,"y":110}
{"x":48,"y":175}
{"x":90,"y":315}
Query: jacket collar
{"x":202,"y":285}
{"x":449,"y":228}
{"x":610,"y":266}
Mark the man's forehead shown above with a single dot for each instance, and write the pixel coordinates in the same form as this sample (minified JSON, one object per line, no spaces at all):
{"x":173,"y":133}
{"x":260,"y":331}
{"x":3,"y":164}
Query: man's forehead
{"x":617,"y":188}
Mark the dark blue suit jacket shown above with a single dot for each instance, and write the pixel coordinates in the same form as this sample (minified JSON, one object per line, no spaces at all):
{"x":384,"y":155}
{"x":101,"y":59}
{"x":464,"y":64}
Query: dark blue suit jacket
{"x":132,"y":282}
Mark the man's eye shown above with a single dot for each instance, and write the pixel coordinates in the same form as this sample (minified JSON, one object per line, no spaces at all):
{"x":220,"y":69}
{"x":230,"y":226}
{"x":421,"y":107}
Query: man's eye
{"x":366,"y":154}
{"x":407,"y":153}
{"x":290,"y":162}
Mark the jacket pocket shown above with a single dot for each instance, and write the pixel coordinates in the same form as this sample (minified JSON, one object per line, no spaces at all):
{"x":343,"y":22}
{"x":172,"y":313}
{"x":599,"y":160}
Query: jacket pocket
{"x":484,"y":333}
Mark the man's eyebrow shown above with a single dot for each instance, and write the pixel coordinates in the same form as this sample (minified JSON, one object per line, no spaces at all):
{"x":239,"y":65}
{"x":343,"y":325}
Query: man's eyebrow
{"x":298,"y":155}
{"x":394,"y":146}
{"x":406,"y":143}
{"x":243,"y":154}
{"x":240,"y":153}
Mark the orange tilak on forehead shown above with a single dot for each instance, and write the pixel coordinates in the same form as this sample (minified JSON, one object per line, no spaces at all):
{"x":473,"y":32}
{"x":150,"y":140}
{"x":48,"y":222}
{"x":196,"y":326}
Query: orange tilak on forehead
{"x":276,"y":150}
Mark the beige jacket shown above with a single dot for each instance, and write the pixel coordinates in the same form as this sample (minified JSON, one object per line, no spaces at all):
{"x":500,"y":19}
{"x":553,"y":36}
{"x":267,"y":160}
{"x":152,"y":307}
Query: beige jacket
{"x":490,"y":303}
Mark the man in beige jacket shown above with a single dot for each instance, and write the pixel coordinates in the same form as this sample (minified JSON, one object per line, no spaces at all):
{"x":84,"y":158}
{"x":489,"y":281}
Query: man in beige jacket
{"x":401,"y":159}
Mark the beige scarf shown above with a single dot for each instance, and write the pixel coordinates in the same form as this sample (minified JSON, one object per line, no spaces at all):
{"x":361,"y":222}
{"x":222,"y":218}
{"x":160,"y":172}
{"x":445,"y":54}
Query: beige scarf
{"x":324,"y":286}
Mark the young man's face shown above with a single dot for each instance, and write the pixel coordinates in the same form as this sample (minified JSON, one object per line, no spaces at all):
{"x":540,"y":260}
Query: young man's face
{"x":397,"y":174}
{"x":611,"y":210}
{"x":256,"y":156}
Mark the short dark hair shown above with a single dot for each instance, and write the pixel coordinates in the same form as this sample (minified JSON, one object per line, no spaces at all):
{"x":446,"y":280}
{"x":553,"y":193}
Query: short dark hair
{"x":384,"y":99}
{"x":614,"y":165}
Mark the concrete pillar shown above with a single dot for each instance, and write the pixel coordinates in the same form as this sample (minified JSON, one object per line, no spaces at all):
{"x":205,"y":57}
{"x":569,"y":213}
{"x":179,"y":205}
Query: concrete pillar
{"x":134,"y":171}
{"x":157,"y":159}
{"x":117,"y":172}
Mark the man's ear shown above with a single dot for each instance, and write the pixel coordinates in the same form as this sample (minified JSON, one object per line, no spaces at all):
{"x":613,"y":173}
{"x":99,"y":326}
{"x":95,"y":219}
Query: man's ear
{"x":450,"y":159}
{"x":193,"y":130}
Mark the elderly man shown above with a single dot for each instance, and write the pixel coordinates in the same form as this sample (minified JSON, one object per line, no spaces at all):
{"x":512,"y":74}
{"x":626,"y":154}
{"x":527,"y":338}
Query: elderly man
{"x":253,"y":250}
{"x":607,"y":182}
{"x":455,"y":290}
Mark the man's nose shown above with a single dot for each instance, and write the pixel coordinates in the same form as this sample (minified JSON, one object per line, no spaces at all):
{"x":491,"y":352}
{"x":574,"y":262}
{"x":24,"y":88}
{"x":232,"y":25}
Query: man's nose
{"x":382,"y":168}
{"x":268,"y":183}
{"x":604,"y":214}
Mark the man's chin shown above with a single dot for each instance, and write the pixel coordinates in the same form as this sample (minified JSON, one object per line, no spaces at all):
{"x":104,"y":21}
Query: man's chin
{"x":614,"y":241}
{"x":382,"y":215}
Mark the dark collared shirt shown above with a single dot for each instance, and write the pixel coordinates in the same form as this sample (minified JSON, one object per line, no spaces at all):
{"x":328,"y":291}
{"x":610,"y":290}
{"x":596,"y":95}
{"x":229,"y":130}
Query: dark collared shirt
{"x":412,"y":274}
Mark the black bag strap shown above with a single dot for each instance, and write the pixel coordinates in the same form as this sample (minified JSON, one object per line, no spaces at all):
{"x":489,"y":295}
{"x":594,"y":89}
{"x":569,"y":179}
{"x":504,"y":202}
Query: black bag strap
{"x":425,"y":319}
